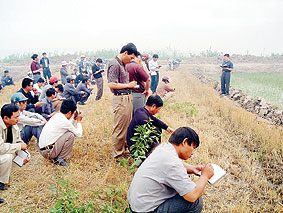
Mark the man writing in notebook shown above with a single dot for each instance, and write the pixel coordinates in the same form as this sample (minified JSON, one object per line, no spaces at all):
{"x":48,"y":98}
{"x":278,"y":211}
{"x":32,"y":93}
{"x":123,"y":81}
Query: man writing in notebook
{"x":162,"y":183}
{"x":10,"y":141}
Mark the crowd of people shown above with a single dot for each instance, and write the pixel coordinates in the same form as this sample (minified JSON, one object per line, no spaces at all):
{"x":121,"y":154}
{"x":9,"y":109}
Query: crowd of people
{"x":48,"y":111}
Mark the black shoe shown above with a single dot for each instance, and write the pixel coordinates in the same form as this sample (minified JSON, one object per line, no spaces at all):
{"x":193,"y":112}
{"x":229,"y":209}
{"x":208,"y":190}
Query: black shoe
{"x":2,"y":200}
{"x":3,"y":187}
{"x":60,"y":162}
{"x":81,"y":103}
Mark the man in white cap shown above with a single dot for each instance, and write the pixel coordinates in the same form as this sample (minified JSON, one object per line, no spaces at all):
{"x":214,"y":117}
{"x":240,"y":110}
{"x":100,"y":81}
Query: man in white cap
{"x":63,"y":72}
{"x":164,"y":90}
{"x":82,"y":64}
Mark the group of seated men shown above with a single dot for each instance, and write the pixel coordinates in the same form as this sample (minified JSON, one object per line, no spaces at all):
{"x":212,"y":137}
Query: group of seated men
{"x":33,"y":114}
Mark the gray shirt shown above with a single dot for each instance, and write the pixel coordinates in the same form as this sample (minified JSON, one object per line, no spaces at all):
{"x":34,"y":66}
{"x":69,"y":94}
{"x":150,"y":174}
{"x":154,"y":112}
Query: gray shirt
{"x":227,"y":64}
{"x":64,"y":73}
{"x":160,"y":177}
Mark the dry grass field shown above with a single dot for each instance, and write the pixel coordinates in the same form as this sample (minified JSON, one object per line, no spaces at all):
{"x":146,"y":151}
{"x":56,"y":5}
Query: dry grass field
{"x":250,"y":152}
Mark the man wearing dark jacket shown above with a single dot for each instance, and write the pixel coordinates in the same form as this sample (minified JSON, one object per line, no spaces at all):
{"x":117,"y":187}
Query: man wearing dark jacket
{"x":143,"y":115}
{"x":83,"y":87}
{"x":70,"y":93}
{"x":44,"y":64}
{"x":33,"y":104}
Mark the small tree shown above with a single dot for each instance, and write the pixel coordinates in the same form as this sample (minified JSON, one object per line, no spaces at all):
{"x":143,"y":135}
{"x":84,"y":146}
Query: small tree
{"x":144,"y":137}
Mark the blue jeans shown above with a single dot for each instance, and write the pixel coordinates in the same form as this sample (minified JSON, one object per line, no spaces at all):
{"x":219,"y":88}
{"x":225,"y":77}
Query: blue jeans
{"x":154,"y":82}
{"x":46,"y":73}
{"x":178,"y":204}
{"x":29,"y":131}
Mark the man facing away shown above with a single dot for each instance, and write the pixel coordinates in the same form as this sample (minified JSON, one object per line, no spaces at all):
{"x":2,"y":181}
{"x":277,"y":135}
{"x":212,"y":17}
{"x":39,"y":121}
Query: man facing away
{"x":227,"y":68}
{"x":30,"y":123}
{"x":162,"y":183}
{"x":44,"y":64}
{"x":138,"y":74}
{"x":97,"y":75}
{"x":122,"y":102}
{"x":57,"y":137}
{"x":10,"y":141}
{"x":64,"y":72}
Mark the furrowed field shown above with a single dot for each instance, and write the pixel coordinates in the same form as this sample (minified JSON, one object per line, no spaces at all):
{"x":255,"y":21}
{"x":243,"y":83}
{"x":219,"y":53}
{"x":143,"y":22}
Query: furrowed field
{"x":250,"y":151}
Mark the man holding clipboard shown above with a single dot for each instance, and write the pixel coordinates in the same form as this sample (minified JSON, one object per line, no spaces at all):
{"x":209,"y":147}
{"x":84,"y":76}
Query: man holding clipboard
{"x":10,"y":142}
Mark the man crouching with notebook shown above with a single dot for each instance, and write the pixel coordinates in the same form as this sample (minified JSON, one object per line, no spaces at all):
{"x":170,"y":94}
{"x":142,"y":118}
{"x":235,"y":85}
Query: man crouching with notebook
{"x":10,"y":141}
{"x":58,"y":135}
{"x":162,"y":183}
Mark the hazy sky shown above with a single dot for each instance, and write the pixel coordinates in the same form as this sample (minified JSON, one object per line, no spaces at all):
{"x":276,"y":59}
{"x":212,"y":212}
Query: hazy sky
{"x":235,"y":26}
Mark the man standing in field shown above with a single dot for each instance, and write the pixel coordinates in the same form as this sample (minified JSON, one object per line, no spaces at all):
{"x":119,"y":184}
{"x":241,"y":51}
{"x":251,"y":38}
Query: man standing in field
{"x":154,"y":72}
{"x":97,"y":75}
{"x":122,"y":102}
{"x":44,"y":64}
{"x":227,"y":68}
{"x":138,"y":74}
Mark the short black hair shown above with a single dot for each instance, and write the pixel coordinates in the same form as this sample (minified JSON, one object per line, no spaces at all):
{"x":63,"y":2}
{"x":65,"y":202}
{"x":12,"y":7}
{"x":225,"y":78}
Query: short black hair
{"x":138,"y":54}
{"x":60,"y":87}
{"x":8,"y":110}
{"x":44,"y":53}
{"x":85,"y":72}
{"x":50,"y":92}
{"x":130,"y":48}
{"x":40,"y":80}
{"x":99,"y":60}
{"x":26,"y":82}
{"x":155,"y":56}
{"x":227,"y":55}
{"x":67,"y":106}
{"x":34,"y":56}
{"x":6,"y":71}
{"x":85,"y":79}
{"x":154,"y":99}
{"x":182,"y":133}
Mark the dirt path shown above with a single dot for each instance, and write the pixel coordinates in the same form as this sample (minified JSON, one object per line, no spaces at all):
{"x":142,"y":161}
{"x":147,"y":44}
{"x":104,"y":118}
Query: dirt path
{"x":230,"y":137}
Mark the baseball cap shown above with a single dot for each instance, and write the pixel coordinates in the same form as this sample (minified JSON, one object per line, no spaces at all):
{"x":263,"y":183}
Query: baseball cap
{"x":53,"y":79}
{"x":64,"y":63}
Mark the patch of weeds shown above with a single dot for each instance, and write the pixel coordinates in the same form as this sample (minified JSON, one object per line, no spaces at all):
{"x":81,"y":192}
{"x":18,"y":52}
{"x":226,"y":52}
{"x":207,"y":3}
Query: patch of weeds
{"x":67,"y":198}
{"x":185,"y":107}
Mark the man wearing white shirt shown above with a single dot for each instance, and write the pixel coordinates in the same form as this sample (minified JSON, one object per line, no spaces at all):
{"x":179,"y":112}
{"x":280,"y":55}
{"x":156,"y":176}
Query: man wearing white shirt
{"x":57,"y":137}
{"x":154,"y":72}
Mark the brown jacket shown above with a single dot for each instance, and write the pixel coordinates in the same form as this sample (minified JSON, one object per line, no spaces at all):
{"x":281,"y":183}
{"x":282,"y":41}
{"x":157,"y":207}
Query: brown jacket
{"x":163,"y":88}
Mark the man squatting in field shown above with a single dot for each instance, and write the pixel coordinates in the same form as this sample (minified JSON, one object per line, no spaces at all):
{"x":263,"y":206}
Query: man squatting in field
{"x":227,"y":68}
{"x":57,"y":136}
{"x":122,"y":102}
{"x":10,"y":142}
{"x":162,"y":184}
